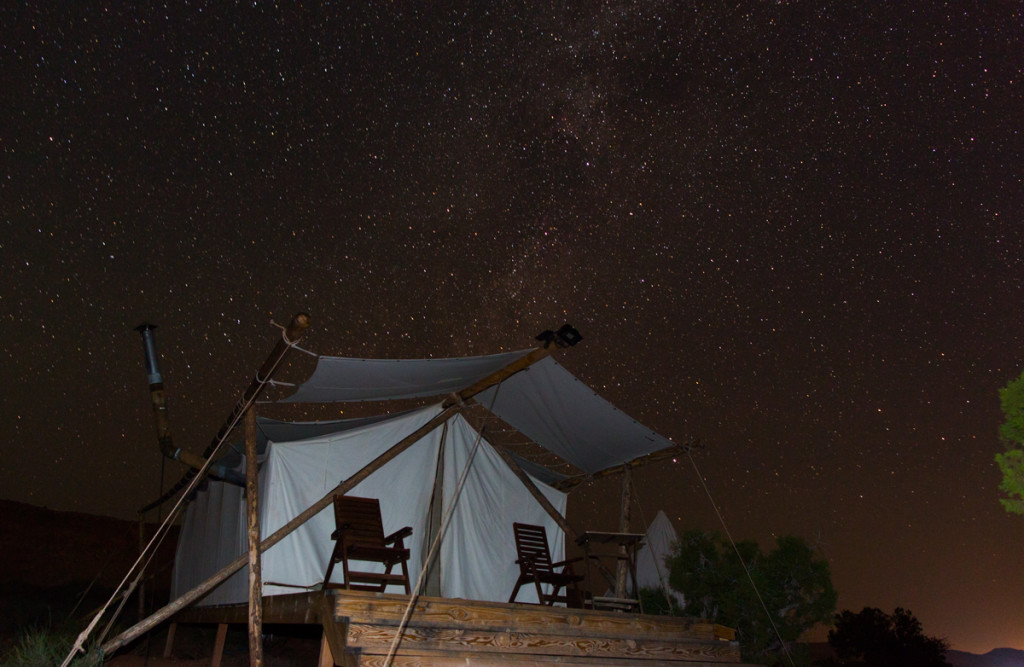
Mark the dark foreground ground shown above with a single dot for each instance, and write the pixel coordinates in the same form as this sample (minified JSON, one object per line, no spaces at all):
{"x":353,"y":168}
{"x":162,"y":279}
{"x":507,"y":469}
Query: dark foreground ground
{"x":57,"y":568}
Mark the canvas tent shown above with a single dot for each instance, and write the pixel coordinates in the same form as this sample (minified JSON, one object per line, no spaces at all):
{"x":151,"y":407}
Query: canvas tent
{"x":476,"y":559}
{"x":302,"y":462}
{"x":651,"y":570}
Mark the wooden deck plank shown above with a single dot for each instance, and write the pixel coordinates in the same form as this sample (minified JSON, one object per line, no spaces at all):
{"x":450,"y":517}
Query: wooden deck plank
{"x":463,"y":658}
{"x":301,"y":608}
{"x":360,"y":626}
{"x":387,"y":609}
{"x":370,"y":638}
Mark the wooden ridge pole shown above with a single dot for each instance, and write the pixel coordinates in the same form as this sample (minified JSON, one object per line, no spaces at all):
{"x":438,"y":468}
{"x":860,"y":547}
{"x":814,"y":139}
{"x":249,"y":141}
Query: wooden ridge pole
{"x":450,"y":408}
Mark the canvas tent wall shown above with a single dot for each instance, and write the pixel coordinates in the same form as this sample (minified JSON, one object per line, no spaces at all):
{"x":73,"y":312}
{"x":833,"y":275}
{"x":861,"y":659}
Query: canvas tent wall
{"x":651,"y":570}
{"x":477,"y":557}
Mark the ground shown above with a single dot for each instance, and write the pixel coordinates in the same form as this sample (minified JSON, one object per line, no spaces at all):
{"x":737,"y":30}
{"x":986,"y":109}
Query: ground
{"x":283,"y":646}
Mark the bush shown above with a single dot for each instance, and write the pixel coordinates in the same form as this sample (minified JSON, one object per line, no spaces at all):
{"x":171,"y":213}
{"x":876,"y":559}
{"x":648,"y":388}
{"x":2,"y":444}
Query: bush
{"x":45,"y":647}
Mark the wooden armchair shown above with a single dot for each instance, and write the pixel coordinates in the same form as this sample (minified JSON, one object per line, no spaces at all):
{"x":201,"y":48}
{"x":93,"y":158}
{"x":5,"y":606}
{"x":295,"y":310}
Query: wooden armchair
{"x":535,"y":566}
{"x":360,"y":536}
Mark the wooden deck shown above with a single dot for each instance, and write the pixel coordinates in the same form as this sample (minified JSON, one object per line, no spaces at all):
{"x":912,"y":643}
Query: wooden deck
{"x":360,"y":627}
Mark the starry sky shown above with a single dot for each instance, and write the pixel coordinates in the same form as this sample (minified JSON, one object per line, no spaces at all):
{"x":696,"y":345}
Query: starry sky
{"x":789,"y":229}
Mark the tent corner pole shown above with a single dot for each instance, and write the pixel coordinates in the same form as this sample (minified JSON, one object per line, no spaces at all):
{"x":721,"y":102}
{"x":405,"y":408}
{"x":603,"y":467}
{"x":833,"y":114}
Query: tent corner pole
{"x":253,"y":525}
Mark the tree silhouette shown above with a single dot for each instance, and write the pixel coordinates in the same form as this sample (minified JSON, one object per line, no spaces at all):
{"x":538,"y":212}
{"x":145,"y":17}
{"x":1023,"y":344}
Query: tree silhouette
{"x":875,"y":638}
{"x":794,"y":583}
{"x":1011,"y":461}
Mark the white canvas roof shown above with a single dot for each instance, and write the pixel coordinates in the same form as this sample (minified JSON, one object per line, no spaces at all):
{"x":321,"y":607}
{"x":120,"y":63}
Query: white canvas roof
{"x":545,"y":402}
{"x":552,"y":407}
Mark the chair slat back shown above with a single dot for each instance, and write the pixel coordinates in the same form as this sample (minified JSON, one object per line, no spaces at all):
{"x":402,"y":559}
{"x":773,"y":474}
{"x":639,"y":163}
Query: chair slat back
{"x":362,"y":516}
{"x":532,"y":545}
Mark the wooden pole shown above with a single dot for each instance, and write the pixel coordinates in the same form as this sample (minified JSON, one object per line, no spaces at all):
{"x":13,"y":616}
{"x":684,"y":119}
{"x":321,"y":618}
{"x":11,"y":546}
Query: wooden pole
{"x":252,"y":510}
{"x":623,"y":564}
{"x":291,"y":335}
{"x":289,"y":338}
{"x":451,"y":408}
{"x":142,"y":549}
{"x":218,"y":645}
{"x":435,"y":514}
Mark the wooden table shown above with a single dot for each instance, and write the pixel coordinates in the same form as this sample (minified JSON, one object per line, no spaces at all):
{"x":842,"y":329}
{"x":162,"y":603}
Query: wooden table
{"x":626,"y":547}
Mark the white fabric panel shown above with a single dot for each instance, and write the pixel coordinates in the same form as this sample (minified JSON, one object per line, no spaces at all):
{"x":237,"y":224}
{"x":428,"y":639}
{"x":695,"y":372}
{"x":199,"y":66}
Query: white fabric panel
{"x":552,"y":407}
{"x":479,"y":549}
{"x":477,"y":556}
{"x":300,"y":473}
{"x":651,"y":571}
{"x":213,"y":534}
{"x":344,"y":379}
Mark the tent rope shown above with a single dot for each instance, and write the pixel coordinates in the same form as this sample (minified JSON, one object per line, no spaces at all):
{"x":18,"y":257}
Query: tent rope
{"x":445,"y":523}
{"x":721,"y":519}
{"x":79,"y":644}
{"x":159,"y":536}
{"x":292,"y":344}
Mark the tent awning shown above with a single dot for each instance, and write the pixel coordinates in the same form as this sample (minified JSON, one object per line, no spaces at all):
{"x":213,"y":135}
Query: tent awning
{"x":545,"y":402}
{"x":553,"y":408}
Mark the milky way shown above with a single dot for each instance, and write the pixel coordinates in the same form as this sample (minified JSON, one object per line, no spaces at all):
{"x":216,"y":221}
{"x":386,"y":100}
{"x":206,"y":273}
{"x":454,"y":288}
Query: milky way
{"x":791,"y":230}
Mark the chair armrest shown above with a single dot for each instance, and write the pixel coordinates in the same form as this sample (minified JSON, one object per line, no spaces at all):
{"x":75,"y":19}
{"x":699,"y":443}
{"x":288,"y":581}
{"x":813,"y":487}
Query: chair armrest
{"x":569,"y":561}
{"x":398,"y":535}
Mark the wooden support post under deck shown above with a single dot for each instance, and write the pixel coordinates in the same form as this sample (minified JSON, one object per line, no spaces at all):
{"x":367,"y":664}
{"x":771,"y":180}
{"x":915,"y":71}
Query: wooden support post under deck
{"x":218,"y":646}
{"x":252,"y":512}
{"x":326,"y":657}
{"x":142,"y":549}
{"x":169,"y":644}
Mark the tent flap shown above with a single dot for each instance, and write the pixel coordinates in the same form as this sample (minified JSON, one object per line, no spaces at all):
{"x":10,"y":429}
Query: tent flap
{"x":552,"y":407}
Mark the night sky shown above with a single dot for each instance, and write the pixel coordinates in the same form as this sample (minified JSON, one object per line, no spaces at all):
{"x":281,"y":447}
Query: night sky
{"x":789,"y":229}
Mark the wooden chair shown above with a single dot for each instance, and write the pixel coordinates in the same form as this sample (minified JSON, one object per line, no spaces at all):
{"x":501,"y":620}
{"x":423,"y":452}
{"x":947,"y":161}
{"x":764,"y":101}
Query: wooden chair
{"x":360,"y":536}
{"x":535,"y":566}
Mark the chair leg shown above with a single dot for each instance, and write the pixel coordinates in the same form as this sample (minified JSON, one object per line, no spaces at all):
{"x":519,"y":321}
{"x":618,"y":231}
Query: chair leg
{"x":330,"y":566}
{"x":515,"y":591}
{"x":540,"y":592}
{"x":330,"y":569}
{"x":344,"y":569}
{"x":405,"y":574}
